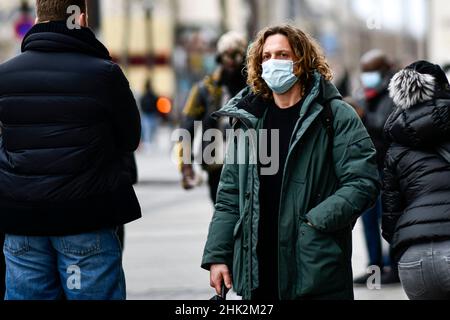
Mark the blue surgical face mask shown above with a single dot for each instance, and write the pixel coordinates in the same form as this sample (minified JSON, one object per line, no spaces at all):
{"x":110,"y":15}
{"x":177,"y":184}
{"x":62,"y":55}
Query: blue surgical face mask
{"x":371,"y":80}
{"x":279,"y":75}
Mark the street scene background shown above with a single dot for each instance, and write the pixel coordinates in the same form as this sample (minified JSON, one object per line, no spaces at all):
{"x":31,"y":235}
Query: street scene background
{"x":172,"y":42}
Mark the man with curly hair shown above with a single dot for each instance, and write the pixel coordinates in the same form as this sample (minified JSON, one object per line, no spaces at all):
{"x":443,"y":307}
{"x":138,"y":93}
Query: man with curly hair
{"x":288,"y":235}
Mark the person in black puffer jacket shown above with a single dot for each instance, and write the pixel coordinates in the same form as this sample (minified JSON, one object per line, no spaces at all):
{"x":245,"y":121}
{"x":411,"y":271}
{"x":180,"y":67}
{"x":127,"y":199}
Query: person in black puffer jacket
{"x":416,"y":198}
{"x":69,"y":127}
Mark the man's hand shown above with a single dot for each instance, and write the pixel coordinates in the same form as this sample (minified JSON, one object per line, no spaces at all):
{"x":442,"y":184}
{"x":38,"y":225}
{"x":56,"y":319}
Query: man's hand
{"x":219,"y":273}
{"x":188,"y":179}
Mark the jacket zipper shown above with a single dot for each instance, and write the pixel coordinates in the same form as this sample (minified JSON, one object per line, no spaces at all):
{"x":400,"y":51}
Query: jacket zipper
{"x":247,"y":125}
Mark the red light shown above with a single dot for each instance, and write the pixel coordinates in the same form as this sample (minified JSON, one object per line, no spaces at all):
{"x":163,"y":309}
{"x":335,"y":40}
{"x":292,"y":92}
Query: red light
{"x":164,"y":105}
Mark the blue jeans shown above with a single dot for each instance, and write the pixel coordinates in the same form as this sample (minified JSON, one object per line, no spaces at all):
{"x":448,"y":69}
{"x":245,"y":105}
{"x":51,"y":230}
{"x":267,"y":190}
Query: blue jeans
{"x":150,"y":125}
{"x":80,"y":267}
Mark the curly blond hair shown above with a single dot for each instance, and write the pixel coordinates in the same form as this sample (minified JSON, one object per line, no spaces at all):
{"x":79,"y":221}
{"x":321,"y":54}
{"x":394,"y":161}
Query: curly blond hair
{"x":308,"y":55}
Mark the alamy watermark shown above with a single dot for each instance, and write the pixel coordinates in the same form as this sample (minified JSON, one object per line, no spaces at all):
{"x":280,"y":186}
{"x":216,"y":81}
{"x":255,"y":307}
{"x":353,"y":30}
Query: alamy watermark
{"x":72,"y":21}
{"x":374,"y":280}
{"x":74,"y":280}
{"x":234,"y":146}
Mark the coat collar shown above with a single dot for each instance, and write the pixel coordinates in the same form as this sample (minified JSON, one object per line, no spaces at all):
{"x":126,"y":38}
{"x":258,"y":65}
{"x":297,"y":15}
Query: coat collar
{"x":54,"y":36}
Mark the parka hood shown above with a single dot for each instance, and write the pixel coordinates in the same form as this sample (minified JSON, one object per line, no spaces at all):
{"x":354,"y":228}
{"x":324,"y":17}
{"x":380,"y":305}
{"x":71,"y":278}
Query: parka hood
{"x":409,"y":87}
{"x":421,"y":94}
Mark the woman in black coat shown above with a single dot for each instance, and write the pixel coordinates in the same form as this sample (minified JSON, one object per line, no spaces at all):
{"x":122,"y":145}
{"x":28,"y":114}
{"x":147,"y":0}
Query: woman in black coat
{"x":416,"y":198}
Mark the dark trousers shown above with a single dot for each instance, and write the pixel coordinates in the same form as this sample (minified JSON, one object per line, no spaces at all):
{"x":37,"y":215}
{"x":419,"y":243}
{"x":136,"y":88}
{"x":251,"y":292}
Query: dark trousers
{"x":2,"y":268}
{"x":371,"y":222}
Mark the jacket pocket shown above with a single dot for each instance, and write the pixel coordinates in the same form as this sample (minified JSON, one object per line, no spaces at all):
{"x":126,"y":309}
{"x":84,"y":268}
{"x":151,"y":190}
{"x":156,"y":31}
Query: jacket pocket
{"x":83,"y":245}
{"x":320,"y":262}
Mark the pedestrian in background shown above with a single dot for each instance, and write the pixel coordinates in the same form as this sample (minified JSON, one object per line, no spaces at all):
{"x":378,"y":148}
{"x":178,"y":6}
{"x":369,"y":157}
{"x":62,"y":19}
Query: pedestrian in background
{"x":207,"y":97}
{"x":377,"y":72}
{"x":358,"y":108}
{"x":150,"y":115}
{"x":69,"y":120}
{"x":416,"y":197}
{"x":287,"y":234}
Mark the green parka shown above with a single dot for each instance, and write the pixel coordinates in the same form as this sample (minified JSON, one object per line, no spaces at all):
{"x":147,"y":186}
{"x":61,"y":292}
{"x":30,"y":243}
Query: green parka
{"x":330,"y":190}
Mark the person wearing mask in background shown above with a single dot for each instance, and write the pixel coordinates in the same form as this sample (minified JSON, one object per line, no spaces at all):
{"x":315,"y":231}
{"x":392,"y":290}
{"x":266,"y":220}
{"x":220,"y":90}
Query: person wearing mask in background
{"x":376,"y":74}
{"x":416,"y":197}
{"x":208,"y":96}
{"x":150,"y":115}
{"x":358,"y":108}
{"x":69,"y":120}
{"x":283,"y":230}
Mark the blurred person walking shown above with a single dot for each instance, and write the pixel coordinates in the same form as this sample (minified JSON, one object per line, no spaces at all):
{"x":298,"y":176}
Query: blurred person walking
{"x":207,"y":97}
{"x":377,"y":71}
{"x":287,"y":235}
{"x":416,"y":197}
{"x":150,"y":115}
{"x":69,"y":120}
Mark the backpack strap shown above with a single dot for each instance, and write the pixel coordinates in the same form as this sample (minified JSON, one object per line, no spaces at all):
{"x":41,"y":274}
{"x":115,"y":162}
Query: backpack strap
{"x":327,"y":119}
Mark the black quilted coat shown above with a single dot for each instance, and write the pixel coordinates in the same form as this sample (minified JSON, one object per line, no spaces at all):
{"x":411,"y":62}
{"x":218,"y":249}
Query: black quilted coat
{"x":416,"y":197}
{"x":69,"y":123}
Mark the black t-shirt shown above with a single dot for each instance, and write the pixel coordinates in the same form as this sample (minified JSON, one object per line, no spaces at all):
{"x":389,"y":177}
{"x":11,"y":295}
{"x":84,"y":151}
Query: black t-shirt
{"x":285,"y":121}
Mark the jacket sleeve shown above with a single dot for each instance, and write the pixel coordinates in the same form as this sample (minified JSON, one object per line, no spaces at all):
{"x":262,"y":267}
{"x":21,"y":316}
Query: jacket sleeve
{"x":393,"y":201}
{"x":125,"y":113}
{"x":220,"y":243}
{"x":355,"y":165}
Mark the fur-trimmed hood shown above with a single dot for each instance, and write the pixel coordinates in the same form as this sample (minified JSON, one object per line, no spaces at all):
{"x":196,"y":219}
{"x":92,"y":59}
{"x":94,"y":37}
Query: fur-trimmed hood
{"x":409,"y":87}
{"x":421,"y":93}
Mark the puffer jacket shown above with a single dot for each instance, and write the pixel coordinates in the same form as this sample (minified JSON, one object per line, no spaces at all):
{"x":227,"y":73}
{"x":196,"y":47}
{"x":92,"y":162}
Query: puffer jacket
{"x":416,"y":197}
{"x":330,"y":194}
{"x":69,"y":127}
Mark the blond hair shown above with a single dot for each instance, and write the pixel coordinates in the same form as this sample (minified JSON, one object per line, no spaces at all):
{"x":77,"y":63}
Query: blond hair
{"x":307,"y":53}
